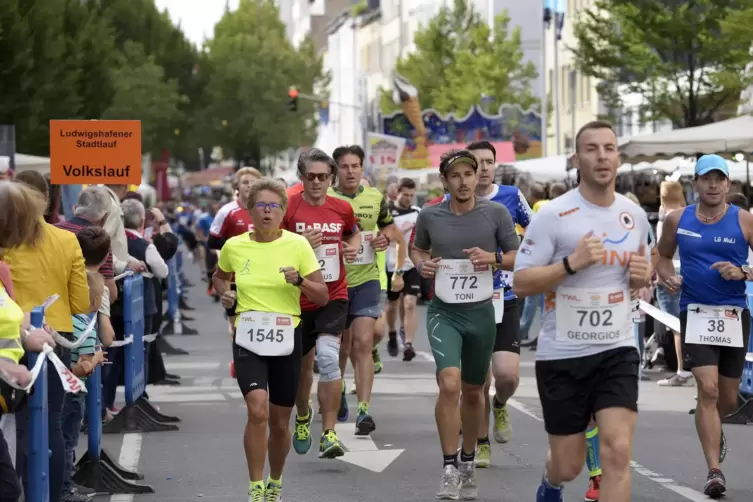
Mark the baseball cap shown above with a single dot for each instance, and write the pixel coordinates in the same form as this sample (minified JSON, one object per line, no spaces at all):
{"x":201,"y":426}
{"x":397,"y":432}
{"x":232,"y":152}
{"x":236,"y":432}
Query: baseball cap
{"x":458,"y":157}
{"x":712,"y":162}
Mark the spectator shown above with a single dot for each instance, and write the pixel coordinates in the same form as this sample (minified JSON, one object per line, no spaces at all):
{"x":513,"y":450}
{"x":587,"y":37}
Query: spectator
{"x":557,"y":189}
{"x":114,"y":227}
{"x":20,"y":225}
{"x":738,"y":199}
{"x":134,"y":195}
{"x":536,"y":198}
{"x":95,"y":246}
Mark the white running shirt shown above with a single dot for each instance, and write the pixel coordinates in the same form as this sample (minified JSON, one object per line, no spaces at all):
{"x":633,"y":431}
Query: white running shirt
{"x":554,"y":233}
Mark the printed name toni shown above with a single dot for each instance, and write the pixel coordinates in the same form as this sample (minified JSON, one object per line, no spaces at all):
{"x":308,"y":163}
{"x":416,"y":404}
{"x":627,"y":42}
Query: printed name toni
{"x":97,"y":172}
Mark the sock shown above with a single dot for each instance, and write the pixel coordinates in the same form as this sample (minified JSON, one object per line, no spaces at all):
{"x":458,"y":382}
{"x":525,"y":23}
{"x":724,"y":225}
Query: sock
{"x":450,"y":460}
{"x":363,"y":407}
{"x":302,"y":418}
{"x":467,"y":457}
{"x":255,"y":485}
{"x":482,"y":441}
{"x":496,"y":403}
{"x":547,"y":492}
{"x":327,"y":431}
{"x":275,"y":481}
{"x":593,"y":462}
{"x":342,"y":382}
{"x":392,"y":335}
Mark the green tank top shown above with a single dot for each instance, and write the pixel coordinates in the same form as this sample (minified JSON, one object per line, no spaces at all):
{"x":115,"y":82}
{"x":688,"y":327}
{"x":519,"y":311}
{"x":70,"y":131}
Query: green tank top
{"x":372,"y":214}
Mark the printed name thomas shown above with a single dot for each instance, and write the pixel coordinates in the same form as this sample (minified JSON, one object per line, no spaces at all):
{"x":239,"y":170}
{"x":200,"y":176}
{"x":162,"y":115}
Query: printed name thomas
{"x":97,"y":172}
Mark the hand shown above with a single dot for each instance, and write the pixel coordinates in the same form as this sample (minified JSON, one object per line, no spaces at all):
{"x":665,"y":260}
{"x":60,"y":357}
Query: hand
{"x":87,"y":367}
{"x":397,"y":283}
{"x":99,"y":358}
{"x":380,"y":242}
{"x":640,"y":269}
{"x":18,"y":373}
{"x":588,"y":252}
{"x":429,"y":268}
{"x":729,"y":271}
{"x":137,"y":266}
{"x":314,"y":236}
{"x":291,"y":275}
{"x":480,"y":257}
{"x":228,"y":298}
{"x":36,"y":340}
{"x":349,"y":252}
{"x":158,"y":216}
{"x":672,"y":284}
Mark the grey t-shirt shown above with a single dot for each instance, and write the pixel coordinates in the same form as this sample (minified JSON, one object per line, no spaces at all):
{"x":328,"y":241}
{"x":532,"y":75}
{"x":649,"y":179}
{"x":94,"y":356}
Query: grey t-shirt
{"x":487,"y":226}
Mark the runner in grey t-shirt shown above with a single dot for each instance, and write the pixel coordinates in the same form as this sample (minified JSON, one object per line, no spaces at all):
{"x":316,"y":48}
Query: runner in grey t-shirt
{"x":456,"y":244}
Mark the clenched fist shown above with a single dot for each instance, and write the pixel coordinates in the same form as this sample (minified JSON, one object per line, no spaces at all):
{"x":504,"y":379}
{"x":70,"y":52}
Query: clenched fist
{"x":589,"y":251}
{"x":228,"y":298}
{"x":291,"y":275}
{"x":640,"y":269}
{"x":429,"y":268}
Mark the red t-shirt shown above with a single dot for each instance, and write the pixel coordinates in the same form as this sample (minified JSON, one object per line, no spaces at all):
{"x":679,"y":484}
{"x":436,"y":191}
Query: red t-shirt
{"x":295,"y":190}
{"x":336,"y":220}
{"x":230,"y":220}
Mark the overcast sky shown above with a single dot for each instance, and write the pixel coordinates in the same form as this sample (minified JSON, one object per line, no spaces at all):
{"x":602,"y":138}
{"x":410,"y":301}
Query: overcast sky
{"x":196,"y":17}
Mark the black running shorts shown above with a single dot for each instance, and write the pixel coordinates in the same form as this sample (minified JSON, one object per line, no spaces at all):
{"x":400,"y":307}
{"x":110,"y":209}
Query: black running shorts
{"x":329,"y":320}
{"x":729,"y":360}
{"x":508,"y":331}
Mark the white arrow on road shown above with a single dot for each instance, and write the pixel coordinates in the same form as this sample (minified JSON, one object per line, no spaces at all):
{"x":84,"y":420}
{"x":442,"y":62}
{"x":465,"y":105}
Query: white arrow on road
{"x":363,"y":452}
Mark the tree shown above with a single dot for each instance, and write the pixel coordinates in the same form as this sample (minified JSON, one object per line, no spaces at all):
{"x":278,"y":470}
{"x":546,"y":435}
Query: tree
{"x":252,"y":67}
{"x":457,"y":64}
{"x":687,"y":60}
{"x":143,"y":93}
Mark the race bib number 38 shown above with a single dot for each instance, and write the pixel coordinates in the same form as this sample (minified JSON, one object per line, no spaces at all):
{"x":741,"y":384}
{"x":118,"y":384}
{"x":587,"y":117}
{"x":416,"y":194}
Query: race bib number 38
{"x":329,"y":260}
{"x":266,"y":333}
{"x":366,"y":253}
{"x":593,"y":317}
{"x":459,"y":281}
{"x":719,"y":325}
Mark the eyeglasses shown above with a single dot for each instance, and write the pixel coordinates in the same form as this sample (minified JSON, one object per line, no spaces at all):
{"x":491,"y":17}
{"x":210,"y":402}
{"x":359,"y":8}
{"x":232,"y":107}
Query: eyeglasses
{"x":267,"y":205}
{"x":317,"y":176}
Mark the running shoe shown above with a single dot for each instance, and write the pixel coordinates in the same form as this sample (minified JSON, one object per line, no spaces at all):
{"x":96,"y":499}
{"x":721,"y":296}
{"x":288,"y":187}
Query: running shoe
{"x":330,"y":446}
{"x":676,"y":381}
{"x":272,"y":492}
{"x":392,"y":347}
{"x":409,"y":352}
{"x":722,"y":448}
{"x":378,"y":366}
{"x":592,"y":495}
{"x":74,"y":496}
{"x":715,"y":485}
{"x":483,"y":456}
{"x":256,"y":493}
{"x":343,"y":413}
{"x":365,"y":424}
{"x":402,"y":335}
{"x":302,"y":433}
{"x":502,"y":427}
{"x":468,"y":487}
{"x":449,"y":486}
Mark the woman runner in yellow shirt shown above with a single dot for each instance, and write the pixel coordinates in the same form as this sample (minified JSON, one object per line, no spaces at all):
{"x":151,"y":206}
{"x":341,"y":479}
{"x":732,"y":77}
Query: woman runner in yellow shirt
{"x":272,"y":268}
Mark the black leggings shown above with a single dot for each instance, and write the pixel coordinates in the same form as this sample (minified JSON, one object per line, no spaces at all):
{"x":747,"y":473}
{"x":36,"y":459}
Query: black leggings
{"x":10,"y":485}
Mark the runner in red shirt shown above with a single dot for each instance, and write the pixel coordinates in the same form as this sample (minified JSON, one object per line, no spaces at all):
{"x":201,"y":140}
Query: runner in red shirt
{"x":329,"y":224}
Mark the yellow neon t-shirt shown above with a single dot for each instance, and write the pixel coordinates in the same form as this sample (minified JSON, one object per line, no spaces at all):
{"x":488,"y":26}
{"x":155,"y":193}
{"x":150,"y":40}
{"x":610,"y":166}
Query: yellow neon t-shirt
{"x":256,"y":265}
{"x":11,"y":317}
{"x":538,"y":205}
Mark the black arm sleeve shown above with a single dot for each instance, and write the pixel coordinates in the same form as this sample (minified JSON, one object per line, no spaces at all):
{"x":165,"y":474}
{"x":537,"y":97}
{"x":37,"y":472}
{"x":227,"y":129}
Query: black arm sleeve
{"x":215,"y":242}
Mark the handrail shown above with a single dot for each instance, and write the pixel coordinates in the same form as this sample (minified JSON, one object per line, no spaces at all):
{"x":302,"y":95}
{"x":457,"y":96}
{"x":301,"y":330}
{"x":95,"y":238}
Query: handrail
{"x":71,"y":382}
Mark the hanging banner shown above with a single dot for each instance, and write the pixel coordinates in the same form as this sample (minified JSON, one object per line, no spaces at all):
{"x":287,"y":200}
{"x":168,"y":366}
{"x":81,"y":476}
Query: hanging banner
{"x":383,"y":153}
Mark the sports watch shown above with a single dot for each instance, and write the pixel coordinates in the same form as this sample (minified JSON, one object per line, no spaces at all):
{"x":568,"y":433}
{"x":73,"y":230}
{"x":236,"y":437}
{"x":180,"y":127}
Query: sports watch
{"x":399,"y":273}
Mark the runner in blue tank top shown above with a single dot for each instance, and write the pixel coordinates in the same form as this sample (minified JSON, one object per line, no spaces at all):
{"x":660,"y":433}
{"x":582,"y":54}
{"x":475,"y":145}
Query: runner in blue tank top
{"x":713,"y":238}
{"x":506,"y":357}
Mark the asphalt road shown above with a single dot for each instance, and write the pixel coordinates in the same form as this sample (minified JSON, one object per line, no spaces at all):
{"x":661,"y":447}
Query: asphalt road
{"x":204,"y":459}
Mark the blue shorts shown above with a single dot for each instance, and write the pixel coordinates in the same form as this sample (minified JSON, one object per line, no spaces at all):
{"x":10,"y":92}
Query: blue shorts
{"x":364,"y":301}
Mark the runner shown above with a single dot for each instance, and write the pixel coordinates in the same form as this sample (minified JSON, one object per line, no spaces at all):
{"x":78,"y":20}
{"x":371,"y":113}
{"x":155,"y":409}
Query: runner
{"x":272,"y":268}
{"x":203,"y":228}
{"x":329,"y":225}
{"x":506,"y":358}
{"x":587,"y":362}
{"x":713,"y":238}
{"x":364,"y":291}
{"x":457,"y":243}
{"x":403,"y":302}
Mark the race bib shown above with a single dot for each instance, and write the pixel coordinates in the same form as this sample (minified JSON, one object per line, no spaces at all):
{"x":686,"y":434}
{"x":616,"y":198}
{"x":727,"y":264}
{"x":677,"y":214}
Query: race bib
{"x":507,"y":279}
{"x":459,"y":281}
{"x":498,"y":299}
{"x":329,"y":260}
{"x":720,"y":325}
{"x":366,"y":253}
{"x":266,"y":333}
{"x":593,"y":317}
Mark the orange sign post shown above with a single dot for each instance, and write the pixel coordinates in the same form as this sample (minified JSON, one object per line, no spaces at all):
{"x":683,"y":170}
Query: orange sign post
{"x":95,"y":151}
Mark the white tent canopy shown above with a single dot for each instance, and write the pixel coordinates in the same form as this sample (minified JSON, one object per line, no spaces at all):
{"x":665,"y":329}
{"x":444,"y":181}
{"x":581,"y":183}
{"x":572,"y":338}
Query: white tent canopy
{"x":32,"y":163}
{"x":732,"y":136}
{"x":548,"y":169}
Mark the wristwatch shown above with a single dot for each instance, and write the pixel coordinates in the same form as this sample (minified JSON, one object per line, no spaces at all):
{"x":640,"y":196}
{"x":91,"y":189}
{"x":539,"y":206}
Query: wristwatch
{"x":299,"y":281}
{"x":399,"y":273}
{"x":748,"y":272}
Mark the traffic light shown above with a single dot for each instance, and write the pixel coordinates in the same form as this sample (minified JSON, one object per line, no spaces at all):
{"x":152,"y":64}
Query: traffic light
{"x":293,"y":103}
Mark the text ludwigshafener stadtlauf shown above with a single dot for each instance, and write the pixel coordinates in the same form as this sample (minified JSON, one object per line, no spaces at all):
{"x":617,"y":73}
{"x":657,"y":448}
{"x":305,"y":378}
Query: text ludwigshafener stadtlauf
{"x":97,"y":172}
{"x":96,"y":139}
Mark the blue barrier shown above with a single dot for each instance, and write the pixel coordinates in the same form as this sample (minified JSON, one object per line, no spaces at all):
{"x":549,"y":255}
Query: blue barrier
{"x":38,"y":478}
{"x":746,"y":383}
{"x":173,"y":295}
{"x":133,"y":315}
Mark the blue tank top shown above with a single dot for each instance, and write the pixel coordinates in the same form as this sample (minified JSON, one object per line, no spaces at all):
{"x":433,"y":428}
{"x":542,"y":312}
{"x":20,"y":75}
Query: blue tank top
{"x":512,"y":198}
{"x":701,"y":246}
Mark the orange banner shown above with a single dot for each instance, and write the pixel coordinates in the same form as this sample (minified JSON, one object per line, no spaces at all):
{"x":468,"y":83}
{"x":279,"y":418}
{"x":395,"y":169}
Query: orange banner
{"x":95,"y":151}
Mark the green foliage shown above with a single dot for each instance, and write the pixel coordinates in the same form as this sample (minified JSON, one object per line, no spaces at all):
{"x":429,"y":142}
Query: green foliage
{"x":456,"y":63}
{"x":253,"y":66}
{"x":687,"y":60}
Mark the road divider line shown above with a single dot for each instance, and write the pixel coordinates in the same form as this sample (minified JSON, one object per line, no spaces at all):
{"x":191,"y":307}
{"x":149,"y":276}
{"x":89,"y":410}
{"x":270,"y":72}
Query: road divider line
{"x":130,"y":453}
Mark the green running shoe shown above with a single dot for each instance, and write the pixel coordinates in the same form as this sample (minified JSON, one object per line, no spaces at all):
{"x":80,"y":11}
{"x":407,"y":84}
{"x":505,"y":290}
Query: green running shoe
{"x":378,"y":366}
{"x":302,"y":433}
{"x":330,"y":446}
{"x":272,"y":493}
{"x":256,"y":492}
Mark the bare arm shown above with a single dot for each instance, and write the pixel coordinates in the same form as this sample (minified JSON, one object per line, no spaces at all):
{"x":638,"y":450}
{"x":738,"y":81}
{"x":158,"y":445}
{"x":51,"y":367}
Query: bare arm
{"x":667,"y":246}
{"x":538,"y":280}
{"x":419,"y":256}
{"x":315,"y":289}
{"x":221,"y":281}
{"x":394,"y":234}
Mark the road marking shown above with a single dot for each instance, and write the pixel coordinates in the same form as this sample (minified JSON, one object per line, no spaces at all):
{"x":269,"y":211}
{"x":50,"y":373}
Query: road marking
{"x":660,"y":479}
{"x":363,"y":452}
{"x":196,"y":365}
{"x":130,"y":452}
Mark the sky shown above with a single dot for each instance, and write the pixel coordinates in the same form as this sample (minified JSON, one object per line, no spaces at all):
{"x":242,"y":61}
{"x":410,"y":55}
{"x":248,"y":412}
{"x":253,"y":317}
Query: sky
{"x":196,"y":17}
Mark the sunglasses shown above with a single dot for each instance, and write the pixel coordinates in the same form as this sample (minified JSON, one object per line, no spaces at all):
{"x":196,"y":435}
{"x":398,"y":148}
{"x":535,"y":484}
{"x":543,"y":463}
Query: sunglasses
{"x":267,"y":205}
{"x":317,"y":176}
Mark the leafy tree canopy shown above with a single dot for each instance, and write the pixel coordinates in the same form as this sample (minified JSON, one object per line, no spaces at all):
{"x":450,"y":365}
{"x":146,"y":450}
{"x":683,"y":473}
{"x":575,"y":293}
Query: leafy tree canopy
{"x":687,"y":59}
{"x":457,"y":64}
